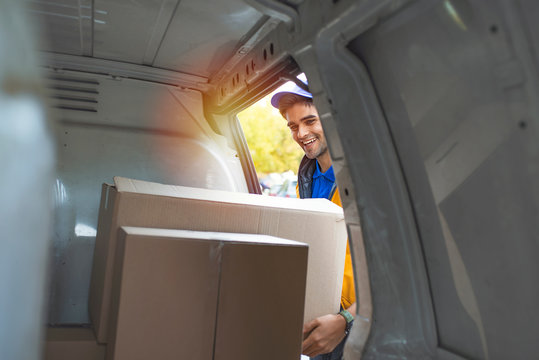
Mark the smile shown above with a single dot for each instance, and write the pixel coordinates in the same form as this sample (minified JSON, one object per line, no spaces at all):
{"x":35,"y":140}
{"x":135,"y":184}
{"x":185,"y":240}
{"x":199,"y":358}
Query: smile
{"x":308,"y":142}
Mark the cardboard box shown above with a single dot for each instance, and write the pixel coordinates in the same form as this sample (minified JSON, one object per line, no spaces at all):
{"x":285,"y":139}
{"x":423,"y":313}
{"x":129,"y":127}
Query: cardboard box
{"x":317,"y":222}
{"x":72,"y":343}
{"x":181,"y":294}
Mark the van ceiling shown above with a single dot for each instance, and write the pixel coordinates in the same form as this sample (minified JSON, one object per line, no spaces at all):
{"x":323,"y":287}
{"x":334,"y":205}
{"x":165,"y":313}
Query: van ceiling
{"x":187,"y":36}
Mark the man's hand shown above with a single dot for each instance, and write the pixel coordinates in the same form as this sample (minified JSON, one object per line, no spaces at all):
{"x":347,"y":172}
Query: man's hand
{"x":323,"y":334}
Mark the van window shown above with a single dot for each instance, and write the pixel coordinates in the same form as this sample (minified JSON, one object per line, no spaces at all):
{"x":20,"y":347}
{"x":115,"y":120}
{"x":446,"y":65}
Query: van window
{"x":275,"y":154}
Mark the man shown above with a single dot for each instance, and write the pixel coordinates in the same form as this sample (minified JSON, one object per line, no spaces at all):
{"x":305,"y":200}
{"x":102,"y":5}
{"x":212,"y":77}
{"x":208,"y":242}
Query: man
{"x":325,"y":336}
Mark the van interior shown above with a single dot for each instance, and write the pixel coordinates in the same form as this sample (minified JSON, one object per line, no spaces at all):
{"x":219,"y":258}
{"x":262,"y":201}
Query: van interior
{"x":428,"y":108}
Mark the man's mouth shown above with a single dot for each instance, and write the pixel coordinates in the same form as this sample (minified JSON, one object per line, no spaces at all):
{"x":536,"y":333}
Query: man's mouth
{"x":309,"y":142}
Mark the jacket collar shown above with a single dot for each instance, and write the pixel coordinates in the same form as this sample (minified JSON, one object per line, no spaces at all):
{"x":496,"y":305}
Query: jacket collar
{"x":305,"y":177}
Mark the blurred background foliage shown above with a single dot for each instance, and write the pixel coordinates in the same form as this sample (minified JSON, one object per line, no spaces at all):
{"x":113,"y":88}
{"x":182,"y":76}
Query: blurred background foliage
{"x":269,"y":139}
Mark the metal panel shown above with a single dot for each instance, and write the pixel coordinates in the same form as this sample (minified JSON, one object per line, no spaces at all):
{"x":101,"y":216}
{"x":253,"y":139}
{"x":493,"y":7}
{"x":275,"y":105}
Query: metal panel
{"x":191,"y":36}
{"x":457,"y":98}
{"x":493,"y":220}
{"x":130,"y":32}
{"x":203,"y":35}
{"x":66,"y":24}
{"x":123,"y":70}
{"x":140,"y":130}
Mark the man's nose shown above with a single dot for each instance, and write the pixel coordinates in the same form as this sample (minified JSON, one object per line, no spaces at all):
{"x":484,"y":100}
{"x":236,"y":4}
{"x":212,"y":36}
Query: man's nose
{"x":302,"y":131}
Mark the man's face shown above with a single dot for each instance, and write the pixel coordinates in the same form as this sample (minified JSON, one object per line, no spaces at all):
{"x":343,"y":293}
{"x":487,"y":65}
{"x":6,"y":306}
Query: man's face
{"x":306,"y":129}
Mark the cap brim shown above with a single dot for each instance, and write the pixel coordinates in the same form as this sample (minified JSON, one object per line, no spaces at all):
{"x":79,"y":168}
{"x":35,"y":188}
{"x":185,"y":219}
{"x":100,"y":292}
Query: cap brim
{"x":276,"y":98}
{"x":289,"y":88}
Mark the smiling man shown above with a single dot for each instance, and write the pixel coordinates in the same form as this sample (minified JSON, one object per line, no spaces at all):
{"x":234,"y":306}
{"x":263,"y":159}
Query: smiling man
{"x":324,"y":337}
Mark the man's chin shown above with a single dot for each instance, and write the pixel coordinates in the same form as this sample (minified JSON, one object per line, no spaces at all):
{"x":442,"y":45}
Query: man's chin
{"x":313,"y":154}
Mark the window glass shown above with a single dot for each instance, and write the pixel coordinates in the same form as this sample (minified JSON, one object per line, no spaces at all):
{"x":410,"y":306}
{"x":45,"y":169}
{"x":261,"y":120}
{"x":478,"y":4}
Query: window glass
{"x":275,"y":154}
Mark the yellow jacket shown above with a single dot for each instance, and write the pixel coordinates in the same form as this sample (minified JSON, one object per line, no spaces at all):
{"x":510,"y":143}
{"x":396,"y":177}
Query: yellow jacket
{"x":348,"y":294}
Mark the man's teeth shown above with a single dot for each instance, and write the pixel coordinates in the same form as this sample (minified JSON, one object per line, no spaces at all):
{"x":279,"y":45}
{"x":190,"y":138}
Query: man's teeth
{"x":308,"y":142}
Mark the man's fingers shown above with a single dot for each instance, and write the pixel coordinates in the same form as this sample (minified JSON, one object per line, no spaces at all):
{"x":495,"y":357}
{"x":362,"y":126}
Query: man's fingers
{"x":308,"y":327}
{"x":306,"y":347}
{"x":307,"y":343}
{"x":313,"y":348}
{"x":314,"y":344}
{"x":322,"y":334}
{"x":309,"y":346}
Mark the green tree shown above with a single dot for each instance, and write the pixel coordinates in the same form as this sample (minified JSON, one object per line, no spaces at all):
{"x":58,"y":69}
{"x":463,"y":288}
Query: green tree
{"x":269,"y":139}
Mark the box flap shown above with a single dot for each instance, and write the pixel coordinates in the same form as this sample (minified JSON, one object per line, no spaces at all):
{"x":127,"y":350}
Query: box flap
{"x":144,"y":187}
{"x":211,"y":235}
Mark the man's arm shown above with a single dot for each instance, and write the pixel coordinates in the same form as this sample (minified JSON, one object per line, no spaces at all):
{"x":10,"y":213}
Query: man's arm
{"x":324,"y":333}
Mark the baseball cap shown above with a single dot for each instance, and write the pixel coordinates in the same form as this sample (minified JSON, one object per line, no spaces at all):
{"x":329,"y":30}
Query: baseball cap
{"x":289,"y":88}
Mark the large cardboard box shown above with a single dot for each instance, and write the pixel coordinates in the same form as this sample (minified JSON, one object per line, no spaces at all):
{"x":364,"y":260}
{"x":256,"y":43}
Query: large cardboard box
{"x":181,"y":294}
{"x":317,"y":222}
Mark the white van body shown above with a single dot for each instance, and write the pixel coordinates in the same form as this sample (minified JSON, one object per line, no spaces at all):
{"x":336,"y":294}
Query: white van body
{"x":430,"y":112}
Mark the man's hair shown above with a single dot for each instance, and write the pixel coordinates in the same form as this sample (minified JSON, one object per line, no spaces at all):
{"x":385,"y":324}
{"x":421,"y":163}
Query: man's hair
{"x":289,"y":100}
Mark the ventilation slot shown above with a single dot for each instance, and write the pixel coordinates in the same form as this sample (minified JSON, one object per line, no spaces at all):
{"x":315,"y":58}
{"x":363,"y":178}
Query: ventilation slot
{"x":75,"y":89}
{"x":59,"y":79}
{"x":73,"y":93}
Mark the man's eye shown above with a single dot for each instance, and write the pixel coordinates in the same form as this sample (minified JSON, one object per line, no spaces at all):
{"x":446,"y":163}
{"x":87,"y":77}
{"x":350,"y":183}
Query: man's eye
{"x":310,"y":122}
{"x":293,"y":128}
